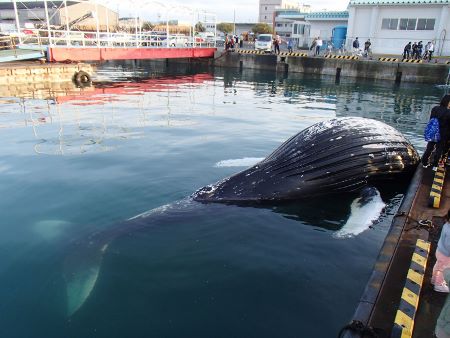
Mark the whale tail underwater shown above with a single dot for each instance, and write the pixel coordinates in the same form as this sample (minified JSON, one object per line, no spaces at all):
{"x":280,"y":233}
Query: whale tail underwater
{"x":342,"y":155}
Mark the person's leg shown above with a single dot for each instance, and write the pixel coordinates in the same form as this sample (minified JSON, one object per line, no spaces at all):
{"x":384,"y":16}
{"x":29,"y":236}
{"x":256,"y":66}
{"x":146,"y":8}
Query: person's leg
{"x":426,"y":155}
{"x":437,"y":277}
{"x":430,"y":53}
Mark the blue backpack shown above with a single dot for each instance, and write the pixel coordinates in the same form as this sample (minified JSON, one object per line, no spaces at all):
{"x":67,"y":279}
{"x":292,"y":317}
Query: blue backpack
{"x":431,"y":132}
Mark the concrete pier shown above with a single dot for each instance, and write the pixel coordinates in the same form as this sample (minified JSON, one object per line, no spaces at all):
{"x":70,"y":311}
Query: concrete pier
{"x":33,"y":72}
{"x":358,"y":68}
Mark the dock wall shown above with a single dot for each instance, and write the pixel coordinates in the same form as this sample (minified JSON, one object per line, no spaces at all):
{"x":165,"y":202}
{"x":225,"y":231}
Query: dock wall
{"x":34,"y":73}
{"x":367,"y":69}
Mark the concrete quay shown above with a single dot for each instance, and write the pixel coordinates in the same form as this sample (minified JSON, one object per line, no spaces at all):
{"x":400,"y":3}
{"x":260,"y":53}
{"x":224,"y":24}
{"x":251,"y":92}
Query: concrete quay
{"x":34,"y":72}
{"x":397,"y":71}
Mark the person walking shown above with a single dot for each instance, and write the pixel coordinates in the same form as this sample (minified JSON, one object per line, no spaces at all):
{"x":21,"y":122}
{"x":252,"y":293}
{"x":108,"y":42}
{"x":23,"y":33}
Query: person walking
{"x":407,"y":51}
{"x":319,"y":44}
{"x":442,"y":258}
{"x":439,"y":147}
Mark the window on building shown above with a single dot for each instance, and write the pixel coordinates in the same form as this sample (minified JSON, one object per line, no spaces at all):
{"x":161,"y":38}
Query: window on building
{"x":265,"y":16}
{"x":425,"y":24}
{"x":407,"y":24}
{"x":389,"y":24}
{"x":295,"y":28}
{"x":265,"y":8}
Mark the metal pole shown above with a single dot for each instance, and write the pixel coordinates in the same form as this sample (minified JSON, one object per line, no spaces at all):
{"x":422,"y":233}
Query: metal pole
{"x":48,"y":23}
{"x":17,"y":21}
{"x":136,"y":27}
{"x":215,"y":30}
{"x":107,"y":27}
{"x":234,"y":21}
{"x":167,"y":27}
{"x":97,"y":24}
{"x":67,"y":23}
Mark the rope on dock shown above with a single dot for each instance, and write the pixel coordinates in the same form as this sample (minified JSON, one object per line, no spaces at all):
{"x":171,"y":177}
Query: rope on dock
{"x":436,"y":188}
{"x":404,"y":320}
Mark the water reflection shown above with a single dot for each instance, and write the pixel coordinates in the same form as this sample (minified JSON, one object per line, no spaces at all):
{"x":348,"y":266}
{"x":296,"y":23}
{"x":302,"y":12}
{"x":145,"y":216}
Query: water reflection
{"x":60,"y":124}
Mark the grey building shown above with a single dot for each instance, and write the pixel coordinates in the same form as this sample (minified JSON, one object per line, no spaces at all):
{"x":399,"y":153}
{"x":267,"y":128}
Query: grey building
{"x":77,"y":13}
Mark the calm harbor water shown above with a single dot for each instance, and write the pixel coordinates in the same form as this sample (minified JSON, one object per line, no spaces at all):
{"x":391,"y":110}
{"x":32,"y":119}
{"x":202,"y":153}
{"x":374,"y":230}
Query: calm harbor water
{"x":79,"y":162}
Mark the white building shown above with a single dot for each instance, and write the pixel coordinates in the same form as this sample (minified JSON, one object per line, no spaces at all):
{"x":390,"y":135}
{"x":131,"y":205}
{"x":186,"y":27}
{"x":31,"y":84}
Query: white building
{"x":323,"y":23}
{"x":391,"y":24}
{"x":304,"y":27}
{"x":268,"y":7}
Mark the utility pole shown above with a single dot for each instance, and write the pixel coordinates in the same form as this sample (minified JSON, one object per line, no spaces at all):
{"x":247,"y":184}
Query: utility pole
{"x":234,"y":21}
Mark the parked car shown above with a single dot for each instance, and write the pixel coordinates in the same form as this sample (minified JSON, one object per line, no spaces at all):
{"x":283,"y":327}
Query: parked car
{"x":178,"y":40}
{"x":264,"y":42}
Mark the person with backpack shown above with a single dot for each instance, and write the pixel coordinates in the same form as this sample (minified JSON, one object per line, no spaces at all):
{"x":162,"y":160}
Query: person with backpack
{"x":437,"y":133}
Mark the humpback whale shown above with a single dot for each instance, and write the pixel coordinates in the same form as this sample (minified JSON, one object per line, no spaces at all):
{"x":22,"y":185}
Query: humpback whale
{"x":335,"y":156}
{"x":342,"y":155}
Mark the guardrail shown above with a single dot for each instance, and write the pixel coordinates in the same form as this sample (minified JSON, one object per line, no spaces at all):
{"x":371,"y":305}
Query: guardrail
{"x":107,"y":39}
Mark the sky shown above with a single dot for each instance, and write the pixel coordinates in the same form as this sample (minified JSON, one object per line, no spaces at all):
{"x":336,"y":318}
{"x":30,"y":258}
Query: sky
{"x":245,"y":10}
{"x":226,"y":10}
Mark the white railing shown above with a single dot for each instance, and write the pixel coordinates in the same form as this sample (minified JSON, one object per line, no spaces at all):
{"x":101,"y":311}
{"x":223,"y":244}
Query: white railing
{"x":104,"y":39}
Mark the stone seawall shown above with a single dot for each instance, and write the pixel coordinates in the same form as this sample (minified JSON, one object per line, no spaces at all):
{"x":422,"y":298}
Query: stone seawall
{"x":24,"y":72}
{"x":367,"y":69}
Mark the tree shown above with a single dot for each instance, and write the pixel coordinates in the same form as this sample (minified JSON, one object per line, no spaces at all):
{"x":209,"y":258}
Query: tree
{"x":225,"y":27}
{"x":262,"y":28}
{"x":199,"y":27}
{"x":147,"y":26}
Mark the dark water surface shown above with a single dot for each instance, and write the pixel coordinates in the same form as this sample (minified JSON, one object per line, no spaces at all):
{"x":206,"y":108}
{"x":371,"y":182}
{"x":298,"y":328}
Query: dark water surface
{"x":147,"y":135}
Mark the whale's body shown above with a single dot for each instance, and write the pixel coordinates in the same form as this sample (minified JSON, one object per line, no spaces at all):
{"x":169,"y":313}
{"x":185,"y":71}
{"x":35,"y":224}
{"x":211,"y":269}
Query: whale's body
{"x":339,"y":155}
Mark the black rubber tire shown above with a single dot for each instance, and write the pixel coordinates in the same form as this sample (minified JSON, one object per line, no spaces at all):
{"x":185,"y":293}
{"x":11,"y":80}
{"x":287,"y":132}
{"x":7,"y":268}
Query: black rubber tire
{"x":82,"y":78}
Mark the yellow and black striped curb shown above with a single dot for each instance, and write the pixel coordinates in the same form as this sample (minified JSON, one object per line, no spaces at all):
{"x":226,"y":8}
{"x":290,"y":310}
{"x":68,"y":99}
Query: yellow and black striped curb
{"x":293,"y":54}
{"x":404,"y":320}
{"x":436,"y":188}
{"x":246,"y":51}
{"x":388,"y":59}
{"x":346,"y":57}
{"x":412,"y":61}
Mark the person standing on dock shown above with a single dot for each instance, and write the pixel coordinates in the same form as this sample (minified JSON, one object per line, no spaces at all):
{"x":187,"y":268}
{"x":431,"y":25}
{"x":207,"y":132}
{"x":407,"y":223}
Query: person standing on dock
{"x":290,"y":44}
{"x":356,"y":46}
{"x":319,"y":44}
{"x":276,"y":45}
{"x":442,"y":258}
{"x":442,"y":329}
{"x":435,"y":149}
{"x":430,"y":50}
{"x":407,"y":51}
{"x":367,"y":45}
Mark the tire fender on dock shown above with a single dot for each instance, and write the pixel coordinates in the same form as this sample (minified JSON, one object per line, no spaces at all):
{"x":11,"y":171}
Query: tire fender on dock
{"x":82,"y":79}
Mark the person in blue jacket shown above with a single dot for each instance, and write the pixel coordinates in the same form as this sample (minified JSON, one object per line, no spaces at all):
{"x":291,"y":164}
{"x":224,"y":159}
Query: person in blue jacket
{"x":435,"y":150}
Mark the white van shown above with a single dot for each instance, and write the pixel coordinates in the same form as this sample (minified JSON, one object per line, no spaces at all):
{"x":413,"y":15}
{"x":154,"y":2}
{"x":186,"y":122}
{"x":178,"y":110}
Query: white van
{"x":264,"y":42}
